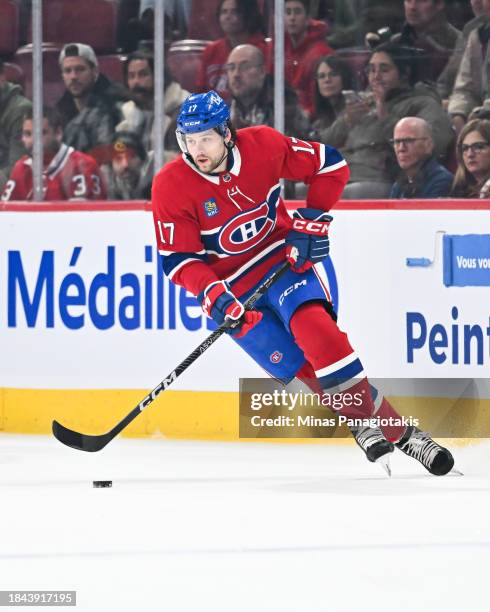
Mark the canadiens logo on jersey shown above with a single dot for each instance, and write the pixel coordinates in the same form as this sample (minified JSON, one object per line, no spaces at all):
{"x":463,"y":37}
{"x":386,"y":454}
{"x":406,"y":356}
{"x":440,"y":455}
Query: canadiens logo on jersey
{"x":210,"y":207}
{"x":245,"y":230}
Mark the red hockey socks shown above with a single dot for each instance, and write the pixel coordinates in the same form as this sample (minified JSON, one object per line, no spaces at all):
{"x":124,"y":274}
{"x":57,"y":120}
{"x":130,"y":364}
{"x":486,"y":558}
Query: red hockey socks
{"x":382,"y":407}
{"x":335,"y":364}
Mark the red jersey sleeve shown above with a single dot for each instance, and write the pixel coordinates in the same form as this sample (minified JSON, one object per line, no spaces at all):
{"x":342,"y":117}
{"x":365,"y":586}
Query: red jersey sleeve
{"x":178,"y":234}
{"x":320,"y":166}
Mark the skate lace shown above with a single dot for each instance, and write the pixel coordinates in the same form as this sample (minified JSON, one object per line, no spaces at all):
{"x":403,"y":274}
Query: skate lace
{"x":367,"y":437}
{"x":421,"y":447}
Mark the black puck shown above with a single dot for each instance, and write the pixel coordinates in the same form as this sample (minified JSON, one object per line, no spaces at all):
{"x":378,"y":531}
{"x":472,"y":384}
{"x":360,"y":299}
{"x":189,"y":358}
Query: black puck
{"x":102,"y":484}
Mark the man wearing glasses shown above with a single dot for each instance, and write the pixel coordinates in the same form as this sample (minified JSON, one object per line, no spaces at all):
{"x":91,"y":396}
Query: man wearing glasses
{"x":252,"y":93}
{"x":421,"y":175}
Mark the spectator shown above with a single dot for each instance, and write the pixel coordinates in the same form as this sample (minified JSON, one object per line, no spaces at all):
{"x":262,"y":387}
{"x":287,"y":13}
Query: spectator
{"x":471,"y":86}
{"x":427,"y":28}
{"x":363,"y":132}
{"x":304,"y":43}
{"x":332,"y":76}
{"x":67,"y":174}
{"x":241,"y":23}
{"x":13,"y":106}
{"x":129,"y":173}
{"x":139,"y":113}
{"x":90,"y":106}
{"x":445,"y":82}
{"x":473,"y":154}
{"x":421,"y":175}
{"x":253,"y":94}
{"x":177,"y":12}
{"x":353,"y":19}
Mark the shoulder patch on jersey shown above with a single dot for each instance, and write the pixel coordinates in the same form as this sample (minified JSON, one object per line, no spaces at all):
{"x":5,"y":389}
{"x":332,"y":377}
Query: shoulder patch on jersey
{"x":210,"y":207}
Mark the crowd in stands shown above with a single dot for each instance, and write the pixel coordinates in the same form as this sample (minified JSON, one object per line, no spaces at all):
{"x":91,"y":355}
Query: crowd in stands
{"x":400,"y":87}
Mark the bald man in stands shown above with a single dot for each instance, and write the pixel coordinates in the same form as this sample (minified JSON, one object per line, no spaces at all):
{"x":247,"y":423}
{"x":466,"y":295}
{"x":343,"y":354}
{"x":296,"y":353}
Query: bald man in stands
{"x":421,"y":175}
{"x":252,"y":91}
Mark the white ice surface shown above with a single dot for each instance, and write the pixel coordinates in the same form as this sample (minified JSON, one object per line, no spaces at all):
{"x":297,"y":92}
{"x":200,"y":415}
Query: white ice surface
{"x":195,"y":526}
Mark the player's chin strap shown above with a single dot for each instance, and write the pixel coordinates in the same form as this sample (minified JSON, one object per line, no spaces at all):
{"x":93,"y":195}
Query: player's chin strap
{"x":91,"y":443}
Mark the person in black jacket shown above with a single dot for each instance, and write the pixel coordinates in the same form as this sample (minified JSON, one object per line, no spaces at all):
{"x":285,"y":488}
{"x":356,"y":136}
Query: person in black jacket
{"x":91,"y":105}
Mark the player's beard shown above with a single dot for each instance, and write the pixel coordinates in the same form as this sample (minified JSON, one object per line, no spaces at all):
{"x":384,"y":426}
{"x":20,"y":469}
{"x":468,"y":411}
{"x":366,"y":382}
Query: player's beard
{"x":212,"y":163}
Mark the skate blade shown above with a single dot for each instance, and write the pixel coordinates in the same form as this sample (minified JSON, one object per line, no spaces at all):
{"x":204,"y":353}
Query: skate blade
{"x":456,"y":472}
{"x":384,"y":462}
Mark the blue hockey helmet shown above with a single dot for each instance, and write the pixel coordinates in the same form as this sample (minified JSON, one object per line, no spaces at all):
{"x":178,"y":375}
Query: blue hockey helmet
{"x":201,"y":112}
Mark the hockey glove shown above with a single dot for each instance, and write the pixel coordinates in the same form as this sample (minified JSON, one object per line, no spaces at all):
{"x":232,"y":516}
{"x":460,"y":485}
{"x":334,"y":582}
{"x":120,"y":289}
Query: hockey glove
{"x":219,"y":303}
{"x":307,"y":242}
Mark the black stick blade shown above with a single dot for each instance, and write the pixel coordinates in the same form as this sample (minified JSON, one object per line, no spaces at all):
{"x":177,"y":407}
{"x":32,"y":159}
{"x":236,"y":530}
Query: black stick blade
{"x":83,"y":442}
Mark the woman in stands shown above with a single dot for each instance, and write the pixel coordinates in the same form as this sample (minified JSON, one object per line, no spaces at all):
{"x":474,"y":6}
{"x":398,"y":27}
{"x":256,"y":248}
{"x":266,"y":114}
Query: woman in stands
{"x":332,"y":76}
{"x":472,"y":178}
{"x":363,"y":131}
{"x":241,"y":22}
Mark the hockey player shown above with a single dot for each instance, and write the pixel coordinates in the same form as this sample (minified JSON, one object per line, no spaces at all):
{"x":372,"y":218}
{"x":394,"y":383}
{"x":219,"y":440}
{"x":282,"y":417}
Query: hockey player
{"x":67,"y":175}
{"x":222,"y":227}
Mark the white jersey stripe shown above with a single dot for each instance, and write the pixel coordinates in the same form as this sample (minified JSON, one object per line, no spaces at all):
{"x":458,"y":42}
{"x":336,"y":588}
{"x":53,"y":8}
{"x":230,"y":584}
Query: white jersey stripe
{"x":337,"y":366}
{"x":340,"y":164}
{"x":254,"y":260}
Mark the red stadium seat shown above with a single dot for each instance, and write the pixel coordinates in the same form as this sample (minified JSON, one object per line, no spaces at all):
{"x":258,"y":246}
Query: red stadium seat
{"x":9,"y":27}
{"x":184,"y":61}
{"x":112,"y":66}
{"x":52,"y":81}
{"x":202,"y":21}
{"x":93,"y":22}
{"x":14,"y":74}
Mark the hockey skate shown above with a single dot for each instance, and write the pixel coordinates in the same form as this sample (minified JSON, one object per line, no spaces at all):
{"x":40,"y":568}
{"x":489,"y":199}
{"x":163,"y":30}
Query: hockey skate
{"x":375,"y":445}
{"x":419,"y":445}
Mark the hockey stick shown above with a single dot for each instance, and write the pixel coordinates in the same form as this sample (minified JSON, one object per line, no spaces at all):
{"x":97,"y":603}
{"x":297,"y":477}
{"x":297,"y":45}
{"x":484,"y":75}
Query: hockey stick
{"x":96,"y":443}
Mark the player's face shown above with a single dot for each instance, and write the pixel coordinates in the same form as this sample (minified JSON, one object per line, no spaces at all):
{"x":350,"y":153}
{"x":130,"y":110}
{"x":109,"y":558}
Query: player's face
{"x":140,"y":79}
{"x":79,"y":76}
{"x":329,"y":81}
{"x":230,"y":18}
{"x":51,"y":137}
{"x":295,"y":18}
{"x":207,"y":150}
{"x":421,"y":12}
{"x":476,"y":155}
{"x":413,"y":146}
{"x":383,"y":75}
{"x":127,"y":166}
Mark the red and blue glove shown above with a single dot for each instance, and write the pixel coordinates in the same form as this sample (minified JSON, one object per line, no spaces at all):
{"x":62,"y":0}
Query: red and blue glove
{"x":307,"y":242}
{"x":219,"y":303}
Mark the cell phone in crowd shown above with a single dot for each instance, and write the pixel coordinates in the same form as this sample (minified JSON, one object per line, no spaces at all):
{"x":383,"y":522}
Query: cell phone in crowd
{"x":351,"y":96}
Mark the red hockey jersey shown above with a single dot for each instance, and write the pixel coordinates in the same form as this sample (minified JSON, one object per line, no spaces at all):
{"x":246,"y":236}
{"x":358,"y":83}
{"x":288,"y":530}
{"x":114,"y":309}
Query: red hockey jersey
{"x":232,"y":225}
{"x":70,"y":175}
